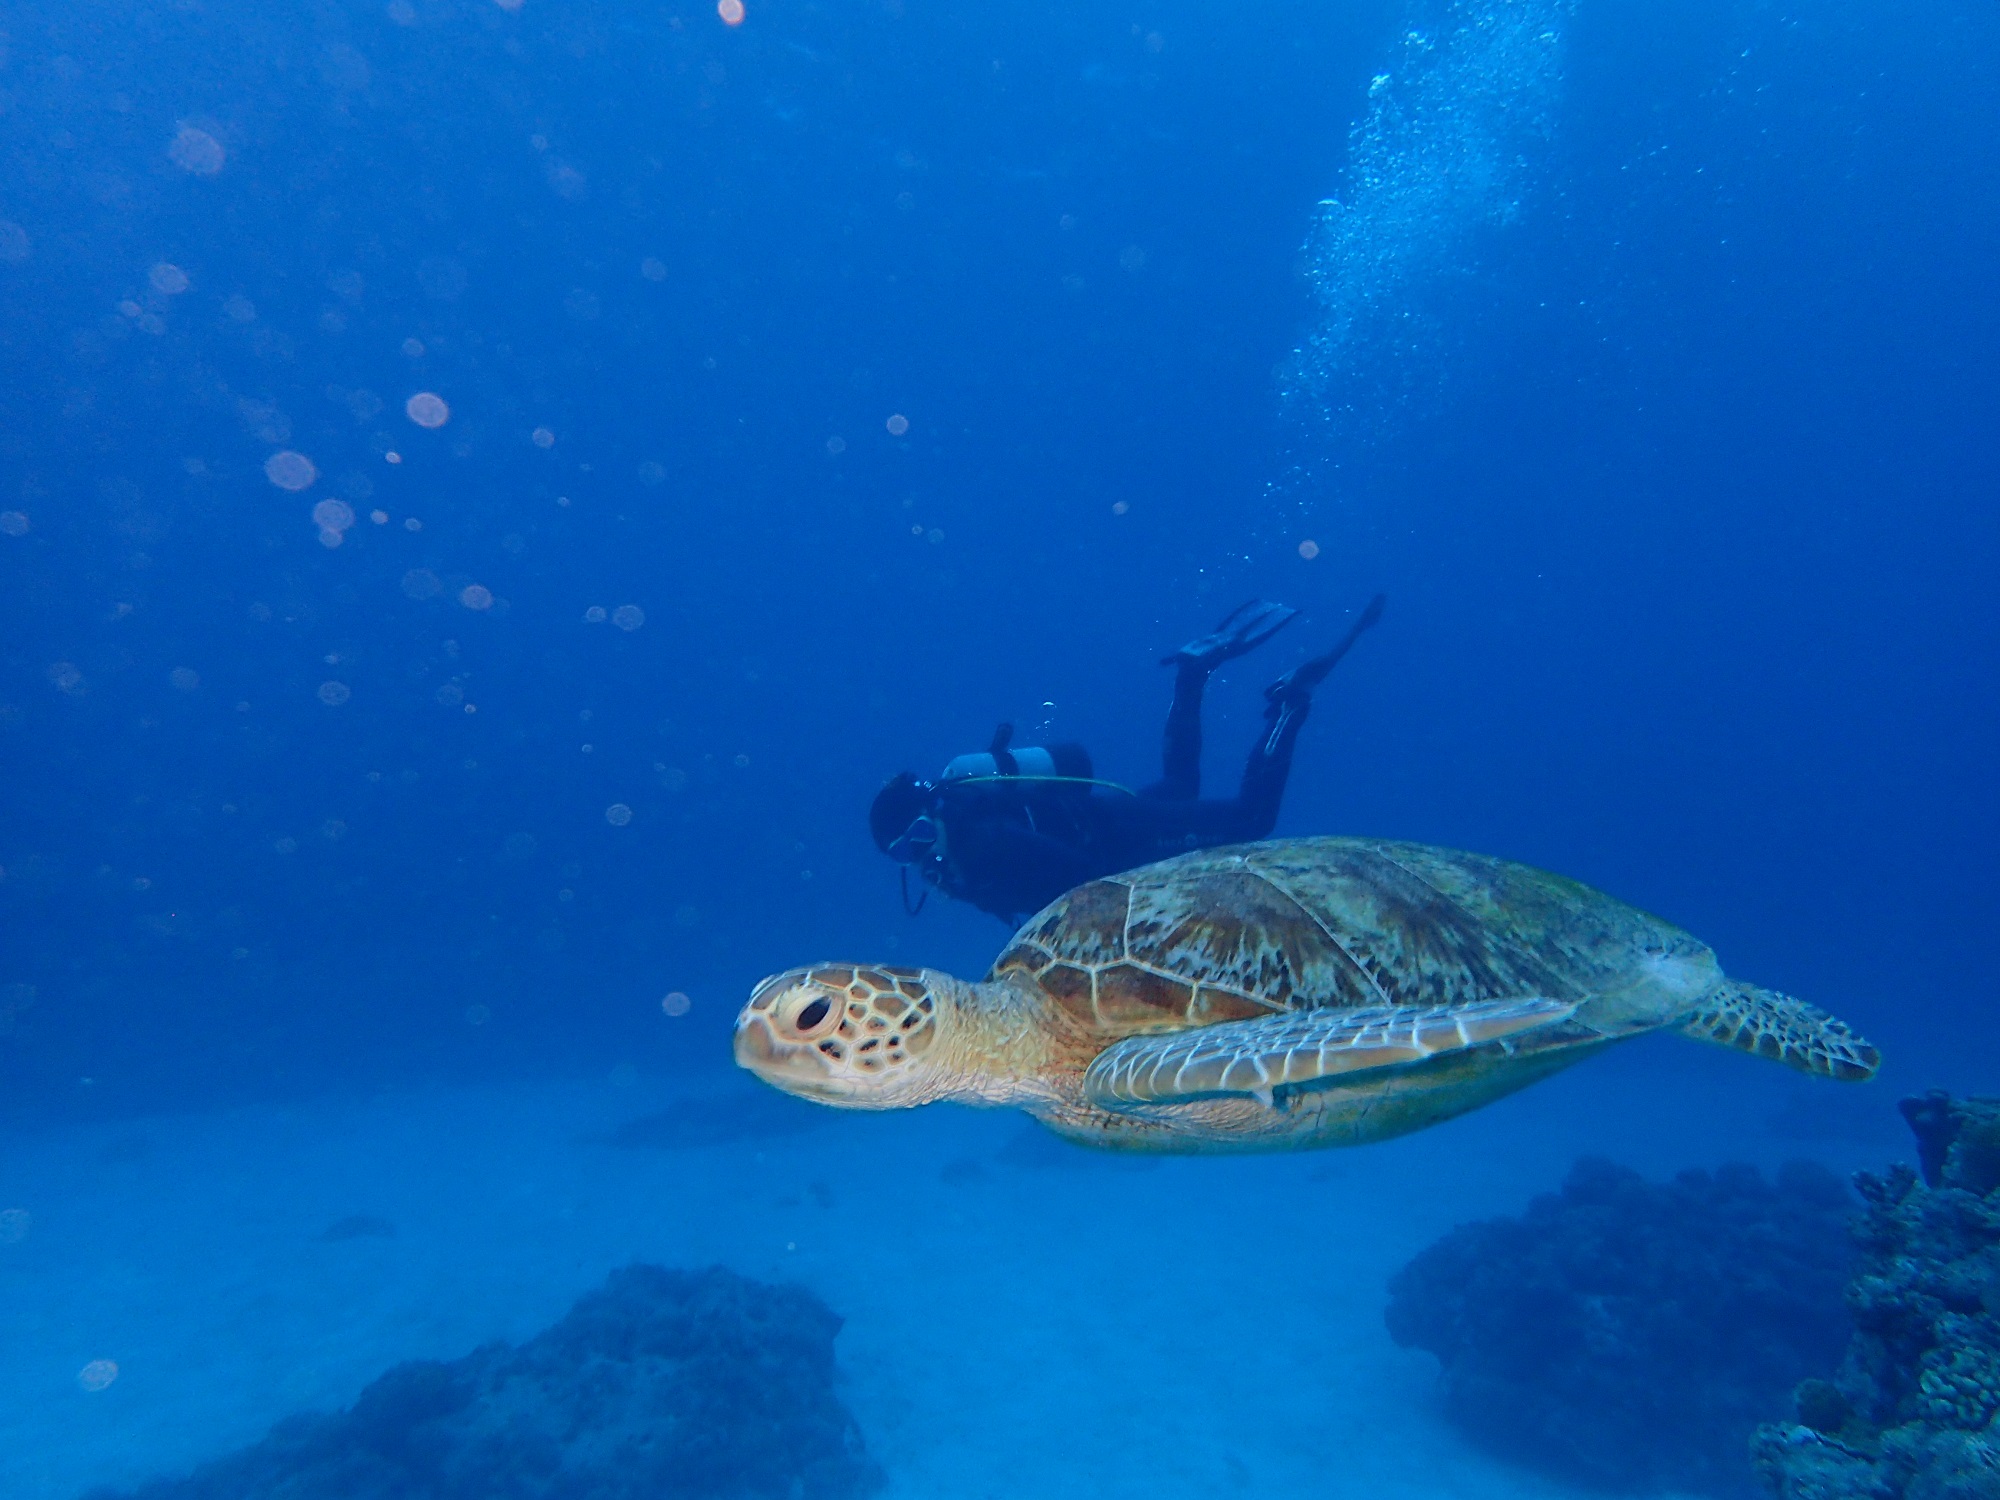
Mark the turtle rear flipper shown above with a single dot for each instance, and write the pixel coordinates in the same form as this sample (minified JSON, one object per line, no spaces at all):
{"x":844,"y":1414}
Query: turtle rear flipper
{"x":1259,"y":1055}
{"x":1785,"y":1030}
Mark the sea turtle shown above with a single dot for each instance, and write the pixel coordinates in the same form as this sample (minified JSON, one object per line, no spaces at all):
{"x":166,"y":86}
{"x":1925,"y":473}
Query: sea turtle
{"x":1272,"y":996}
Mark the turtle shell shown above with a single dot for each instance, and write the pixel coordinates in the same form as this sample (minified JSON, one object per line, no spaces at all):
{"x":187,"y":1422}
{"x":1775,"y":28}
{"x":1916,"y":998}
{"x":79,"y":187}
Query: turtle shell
{"x":1299,"y":924}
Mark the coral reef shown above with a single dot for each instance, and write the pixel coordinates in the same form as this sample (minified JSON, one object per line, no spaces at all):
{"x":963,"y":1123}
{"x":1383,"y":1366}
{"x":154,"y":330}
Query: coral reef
{"x":1911,"y":1413}
{"x":663,"y":1385}
{"x":1629,"y":1335}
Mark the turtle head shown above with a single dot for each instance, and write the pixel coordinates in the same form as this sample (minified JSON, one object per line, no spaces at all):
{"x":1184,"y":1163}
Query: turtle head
{"x":860,"y":1038}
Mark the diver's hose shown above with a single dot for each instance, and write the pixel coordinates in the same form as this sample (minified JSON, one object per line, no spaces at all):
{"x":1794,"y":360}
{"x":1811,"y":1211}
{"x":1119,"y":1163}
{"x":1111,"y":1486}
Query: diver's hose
{"x":1110,"y":786}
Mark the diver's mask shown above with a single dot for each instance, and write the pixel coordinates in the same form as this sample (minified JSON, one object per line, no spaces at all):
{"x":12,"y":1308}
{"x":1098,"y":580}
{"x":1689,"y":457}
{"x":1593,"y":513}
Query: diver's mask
{"x":920,"y":842}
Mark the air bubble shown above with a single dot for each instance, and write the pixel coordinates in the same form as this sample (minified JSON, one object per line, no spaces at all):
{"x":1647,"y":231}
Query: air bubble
{"x":628,"y":617}
{"x":196,"y":151}
{"x":333,"y":694}
{"x":427,"y":409}
{"x":97,"y":1375}
{"x":289,"y":470}
{"x":168,"y":280}
{"x":617,"y":815}
{"x":333,"y":515}
{"x":897,"y":424}
{"x":676,"y":1004}
{"x":1450,"y":137}
{"x":476,"y":596}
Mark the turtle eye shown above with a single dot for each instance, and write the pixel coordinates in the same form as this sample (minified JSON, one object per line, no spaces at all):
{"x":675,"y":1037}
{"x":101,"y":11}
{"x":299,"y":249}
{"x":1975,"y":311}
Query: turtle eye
{"x":813,"y":1013}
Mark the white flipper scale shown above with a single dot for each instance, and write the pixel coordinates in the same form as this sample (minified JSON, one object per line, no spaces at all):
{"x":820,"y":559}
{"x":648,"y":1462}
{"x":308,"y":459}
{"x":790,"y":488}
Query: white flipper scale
{"x":1254,"y":1057}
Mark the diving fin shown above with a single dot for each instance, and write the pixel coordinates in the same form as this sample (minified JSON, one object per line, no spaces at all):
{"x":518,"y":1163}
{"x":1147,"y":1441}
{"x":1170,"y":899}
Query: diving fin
{"x":1242,"y":630}
{"x":1307,"y":675}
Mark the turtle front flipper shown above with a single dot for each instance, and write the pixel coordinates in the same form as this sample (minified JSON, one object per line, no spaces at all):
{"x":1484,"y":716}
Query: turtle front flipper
{"x":1783,"y":1029}
{"x":1257,"y":1056}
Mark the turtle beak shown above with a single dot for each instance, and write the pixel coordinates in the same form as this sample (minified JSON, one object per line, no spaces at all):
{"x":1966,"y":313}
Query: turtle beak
{"x":794,"y":1067}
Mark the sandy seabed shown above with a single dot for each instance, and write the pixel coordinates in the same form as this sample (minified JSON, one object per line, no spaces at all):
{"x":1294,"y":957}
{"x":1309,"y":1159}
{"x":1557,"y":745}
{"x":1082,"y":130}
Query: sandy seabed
{"x":1024,"y":1320}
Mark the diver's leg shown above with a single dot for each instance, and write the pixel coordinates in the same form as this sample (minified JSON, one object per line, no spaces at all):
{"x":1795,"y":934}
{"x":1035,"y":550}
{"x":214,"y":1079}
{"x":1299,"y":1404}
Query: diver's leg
{"x":1180,"y":748}
{"x":1255,"y":810}
{"x":1134,"y":831}
{"x":1289,"y":702}
{"x":1243,"y":629}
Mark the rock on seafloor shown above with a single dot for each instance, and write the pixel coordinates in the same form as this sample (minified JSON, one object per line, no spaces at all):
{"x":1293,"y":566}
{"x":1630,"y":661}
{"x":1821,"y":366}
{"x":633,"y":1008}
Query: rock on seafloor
{"x":1629,"y":1335}
{"x":660,"y":1385}
{"x":1913,"y":1412}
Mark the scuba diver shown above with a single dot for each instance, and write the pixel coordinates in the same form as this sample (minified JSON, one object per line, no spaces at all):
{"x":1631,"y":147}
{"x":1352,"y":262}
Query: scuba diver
{"x":1009,"y":830}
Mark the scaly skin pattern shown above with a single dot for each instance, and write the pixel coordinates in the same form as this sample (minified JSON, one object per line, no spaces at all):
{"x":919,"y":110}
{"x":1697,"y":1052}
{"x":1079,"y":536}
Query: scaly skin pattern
{"x":1254,"y":930}
{"x":877,"y":1036}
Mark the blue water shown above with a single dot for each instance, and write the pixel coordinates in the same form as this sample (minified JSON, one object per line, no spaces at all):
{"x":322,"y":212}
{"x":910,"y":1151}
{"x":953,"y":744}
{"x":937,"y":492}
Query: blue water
{"x":818,"y":392}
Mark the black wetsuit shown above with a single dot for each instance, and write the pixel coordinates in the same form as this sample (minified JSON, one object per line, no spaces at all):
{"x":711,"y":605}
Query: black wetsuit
{"x":1012,"y":847}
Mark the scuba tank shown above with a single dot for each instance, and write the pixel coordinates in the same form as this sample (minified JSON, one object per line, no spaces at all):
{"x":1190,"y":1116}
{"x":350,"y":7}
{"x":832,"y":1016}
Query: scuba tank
{"x":1048,"y":771}
{"x":1030,"y":760}
{"x":1047,"y":786}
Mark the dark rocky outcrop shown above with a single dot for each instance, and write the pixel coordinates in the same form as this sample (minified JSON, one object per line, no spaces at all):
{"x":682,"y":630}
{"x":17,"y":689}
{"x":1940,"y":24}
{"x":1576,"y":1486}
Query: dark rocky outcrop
{"x":662,"y":1385}
{"x":1629,"y":1335}
{"x":1911,"y":1412}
